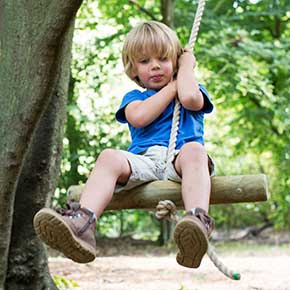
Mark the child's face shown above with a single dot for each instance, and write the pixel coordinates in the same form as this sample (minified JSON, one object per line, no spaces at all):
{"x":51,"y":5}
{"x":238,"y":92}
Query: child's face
{"x":154,"y":72}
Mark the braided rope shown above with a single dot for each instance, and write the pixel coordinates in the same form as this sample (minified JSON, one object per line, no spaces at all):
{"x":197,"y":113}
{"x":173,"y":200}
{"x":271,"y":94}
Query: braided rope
{"x":176,"y":112}
{"x":166,"y":209}
{"x":222,"y":267}
{"x":196,"y":24}
{"x":173,"y":137}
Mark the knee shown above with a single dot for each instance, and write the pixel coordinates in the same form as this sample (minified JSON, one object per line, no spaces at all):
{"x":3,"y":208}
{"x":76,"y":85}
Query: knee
{"x":111,"y":158}
{"x":193,"y":152}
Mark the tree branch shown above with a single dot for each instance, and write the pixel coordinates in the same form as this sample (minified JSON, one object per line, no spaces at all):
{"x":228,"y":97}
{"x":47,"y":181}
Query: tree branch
{"x":143,"y":10}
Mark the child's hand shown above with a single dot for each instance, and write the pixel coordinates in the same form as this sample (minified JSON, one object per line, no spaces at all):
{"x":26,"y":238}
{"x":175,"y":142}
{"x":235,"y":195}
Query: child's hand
{"x":187,"y":58}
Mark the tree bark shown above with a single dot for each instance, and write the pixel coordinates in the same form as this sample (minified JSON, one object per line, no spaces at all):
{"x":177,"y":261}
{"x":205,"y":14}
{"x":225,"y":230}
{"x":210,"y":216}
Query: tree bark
{"x":31,"y":46}
{"x":167,"y":11}
{"x":224,"y":189}
{"x":27,"y":268}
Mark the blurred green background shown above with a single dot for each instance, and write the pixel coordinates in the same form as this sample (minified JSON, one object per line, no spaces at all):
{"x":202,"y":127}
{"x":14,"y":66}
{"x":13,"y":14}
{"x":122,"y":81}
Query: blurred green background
{"x":243,"y":60}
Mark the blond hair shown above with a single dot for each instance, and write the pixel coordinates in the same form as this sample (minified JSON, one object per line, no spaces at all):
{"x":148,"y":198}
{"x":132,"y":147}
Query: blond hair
{"x":149,"y":38}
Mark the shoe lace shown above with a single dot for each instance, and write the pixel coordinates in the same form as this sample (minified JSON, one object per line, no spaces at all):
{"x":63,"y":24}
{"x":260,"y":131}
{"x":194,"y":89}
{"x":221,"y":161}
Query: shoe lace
{"x":74,"y":210}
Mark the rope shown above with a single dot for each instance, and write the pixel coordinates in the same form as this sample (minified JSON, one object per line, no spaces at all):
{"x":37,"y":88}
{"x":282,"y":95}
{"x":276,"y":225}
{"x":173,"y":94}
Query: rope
{"x":176,"y":112}
{"x":173,"y":137}
{"x":222,"y":267}
{"x":196,"y":24}
{"x":166,"y":209}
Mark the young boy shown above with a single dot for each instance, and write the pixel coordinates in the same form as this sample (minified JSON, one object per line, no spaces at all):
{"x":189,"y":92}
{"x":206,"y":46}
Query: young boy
{"x":154,"y":59}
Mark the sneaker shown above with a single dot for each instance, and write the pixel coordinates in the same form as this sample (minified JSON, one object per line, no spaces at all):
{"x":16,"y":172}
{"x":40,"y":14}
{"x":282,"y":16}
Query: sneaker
{"x":70,"y":231}
{"x":191,"y":235}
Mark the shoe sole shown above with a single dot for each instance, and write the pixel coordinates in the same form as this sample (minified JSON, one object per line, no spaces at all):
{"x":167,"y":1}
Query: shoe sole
{"x":51,"y":229}
{"x":191,"y":241}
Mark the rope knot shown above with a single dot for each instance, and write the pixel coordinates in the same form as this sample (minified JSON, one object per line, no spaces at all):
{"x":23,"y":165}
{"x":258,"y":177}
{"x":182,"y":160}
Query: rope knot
{"x":166,"y":209}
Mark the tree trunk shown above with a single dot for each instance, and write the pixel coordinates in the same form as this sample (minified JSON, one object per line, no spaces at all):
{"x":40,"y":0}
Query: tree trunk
{"x":167,"y":11}
{"x":27,"y":268}
{"x":73,"y":135}
{"x":27,"y":265}
{"x":34,"y":38}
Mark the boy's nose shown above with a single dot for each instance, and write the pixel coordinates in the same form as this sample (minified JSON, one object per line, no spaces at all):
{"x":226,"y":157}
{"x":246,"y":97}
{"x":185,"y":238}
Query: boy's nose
{"x":155,"y":64}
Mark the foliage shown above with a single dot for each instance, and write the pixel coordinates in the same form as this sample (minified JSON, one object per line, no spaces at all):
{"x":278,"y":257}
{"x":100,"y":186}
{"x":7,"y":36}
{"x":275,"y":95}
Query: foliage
{"x":243,"y":61}
{"x":91,"y":125}
{"x":63,"y":283}
{"x":135,"y":223}
{"x":247,"y":73}
{"x":183,"y":288}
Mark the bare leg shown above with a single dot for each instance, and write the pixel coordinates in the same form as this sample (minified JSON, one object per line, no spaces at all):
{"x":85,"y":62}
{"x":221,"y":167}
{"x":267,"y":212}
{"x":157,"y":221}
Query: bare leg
{"x":72,"y":232}
{"x":192,"y":164}
{"x":111,"y":167}
{"x":192,"y":231}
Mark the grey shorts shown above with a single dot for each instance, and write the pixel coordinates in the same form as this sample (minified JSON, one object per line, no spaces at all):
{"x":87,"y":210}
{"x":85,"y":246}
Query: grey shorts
{"x":149,"y":166}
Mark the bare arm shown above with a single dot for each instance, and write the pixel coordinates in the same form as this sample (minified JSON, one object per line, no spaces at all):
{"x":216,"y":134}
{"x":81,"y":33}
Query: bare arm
{"x":187,"y":87}
{"x":141,"y":113}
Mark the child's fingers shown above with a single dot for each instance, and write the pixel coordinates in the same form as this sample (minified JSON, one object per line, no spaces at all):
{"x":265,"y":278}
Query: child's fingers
{"x":186,"y":49}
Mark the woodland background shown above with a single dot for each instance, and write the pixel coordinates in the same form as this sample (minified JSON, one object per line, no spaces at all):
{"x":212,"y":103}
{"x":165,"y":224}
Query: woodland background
{"x":61,"y":81}
{"x":243,"y":60}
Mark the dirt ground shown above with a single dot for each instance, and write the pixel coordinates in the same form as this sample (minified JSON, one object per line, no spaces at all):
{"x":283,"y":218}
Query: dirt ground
{"x":264,"y":264}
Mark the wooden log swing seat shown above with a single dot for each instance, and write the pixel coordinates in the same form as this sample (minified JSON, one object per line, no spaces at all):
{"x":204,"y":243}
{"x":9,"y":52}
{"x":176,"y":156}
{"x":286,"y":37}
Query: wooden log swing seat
{"x":224,"y":189}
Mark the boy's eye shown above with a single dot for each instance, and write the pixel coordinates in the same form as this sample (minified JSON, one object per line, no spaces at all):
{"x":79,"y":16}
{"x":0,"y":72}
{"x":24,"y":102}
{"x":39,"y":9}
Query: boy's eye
{"x":165,"y":58}
{"x":143,"y":60}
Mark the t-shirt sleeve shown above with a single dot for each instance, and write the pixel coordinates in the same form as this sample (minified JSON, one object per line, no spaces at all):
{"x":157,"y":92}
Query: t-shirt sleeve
{"x":134,"y":95}
{"x":208,"y":105}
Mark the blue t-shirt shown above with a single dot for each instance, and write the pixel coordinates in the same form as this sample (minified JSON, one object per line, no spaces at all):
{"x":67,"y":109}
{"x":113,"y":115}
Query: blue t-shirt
{"x":158,"y":132}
